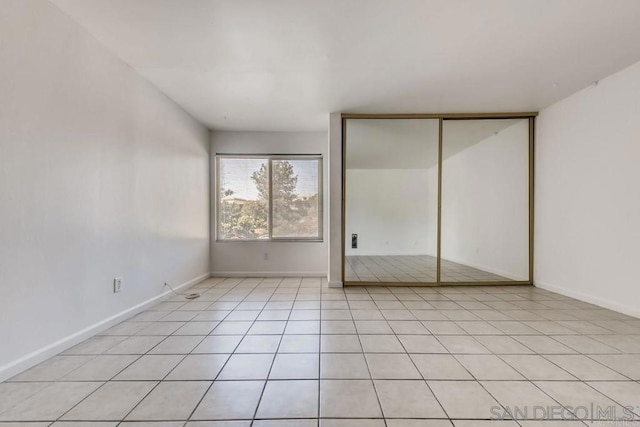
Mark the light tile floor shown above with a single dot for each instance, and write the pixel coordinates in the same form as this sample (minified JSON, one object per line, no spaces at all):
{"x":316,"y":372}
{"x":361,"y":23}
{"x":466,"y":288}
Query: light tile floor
{"x":292,"y":352}
{"x":412,"y":268}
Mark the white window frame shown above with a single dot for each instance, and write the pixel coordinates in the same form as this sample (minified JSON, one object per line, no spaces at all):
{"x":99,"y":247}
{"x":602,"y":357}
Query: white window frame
{"x":269,"y":158}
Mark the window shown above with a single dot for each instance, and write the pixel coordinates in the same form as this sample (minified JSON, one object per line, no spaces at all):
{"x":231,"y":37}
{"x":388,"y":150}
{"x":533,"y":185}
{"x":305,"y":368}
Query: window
{"x":269,"y":198}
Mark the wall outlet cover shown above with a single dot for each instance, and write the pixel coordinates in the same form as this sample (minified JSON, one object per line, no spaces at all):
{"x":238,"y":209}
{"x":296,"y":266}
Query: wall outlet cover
{"x":117,"y":285}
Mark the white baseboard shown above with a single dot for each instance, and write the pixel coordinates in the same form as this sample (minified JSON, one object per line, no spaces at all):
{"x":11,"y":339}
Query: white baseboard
{"x":22,"y":364}
{"x":335,"y":284}
{"x":268,"y":274}
{"x":630,"y":310}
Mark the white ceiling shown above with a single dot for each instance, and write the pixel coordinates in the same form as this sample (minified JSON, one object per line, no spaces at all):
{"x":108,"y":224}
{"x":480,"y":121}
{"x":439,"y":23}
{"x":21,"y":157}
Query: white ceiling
{"x":284,"y":64}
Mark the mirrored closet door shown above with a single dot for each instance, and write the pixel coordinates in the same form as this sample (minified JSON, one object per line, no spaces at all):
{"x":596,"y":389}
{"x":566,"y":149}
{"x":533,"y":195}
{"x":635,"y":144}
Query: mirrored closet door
{"x":485,"y":201}
{"x":391,"y":201}
{"x":437,"y":200}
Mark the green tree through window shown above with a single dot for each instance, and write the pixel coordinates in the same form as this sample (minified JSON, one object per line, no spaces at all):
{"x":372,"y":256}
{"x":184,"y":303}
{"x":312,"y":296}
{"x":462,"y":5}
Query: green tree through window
{"x":295,"y":202}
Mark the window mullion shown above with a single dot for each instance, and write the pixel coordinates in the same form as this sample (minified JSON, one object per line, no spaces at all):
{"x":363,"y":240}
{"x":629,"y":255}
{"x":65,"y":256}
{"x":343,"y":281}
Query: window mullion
{"x":233,"y":170}
{"x":218,"y":200}
{"x":270,"y":208}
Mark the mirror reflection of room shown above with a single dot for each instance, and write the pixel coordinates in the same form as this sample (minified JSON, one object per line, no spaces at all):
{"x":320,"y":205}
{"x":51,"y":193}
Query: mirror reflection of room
{"x":485,"y":201}
{"x":391,"y":200}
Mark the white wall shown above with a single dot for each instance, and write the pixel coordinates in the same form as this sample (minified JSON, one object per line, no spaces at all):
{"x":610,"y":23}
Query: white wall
{"x":284,"y":258}
{"x":485,"y":208}
{"x":101,"y":176}
{"x":587,"y":210}
{"x":393,"y":211}
{"x":334,"y":184}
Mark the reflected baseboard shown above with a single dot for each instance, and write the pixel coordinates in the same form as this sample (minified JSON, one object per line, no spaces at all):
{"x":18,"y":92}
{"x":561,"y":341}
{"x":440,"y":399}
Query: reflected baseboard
{"x":502,"y":273}
{"x":378,"y":253}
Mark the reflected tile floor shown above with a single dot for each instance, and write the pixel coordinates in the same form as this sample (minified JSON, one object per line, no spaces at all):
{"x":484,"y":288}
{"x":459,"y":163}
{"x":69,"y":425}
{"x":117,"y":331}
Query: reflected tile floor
{"x":291,"y":352}
{"x":412,"y":268}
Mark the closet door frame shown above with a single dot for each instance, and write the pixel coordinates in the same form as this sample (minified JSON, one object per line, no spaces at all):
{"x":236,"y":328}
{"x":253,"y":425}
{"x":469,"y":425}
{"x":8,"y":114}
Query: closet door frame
{"x":530,"y":116}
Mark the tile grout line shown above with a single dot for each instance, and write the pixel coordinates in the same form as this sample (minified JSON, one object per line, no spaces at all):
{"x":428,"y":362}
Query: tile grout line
{"x":195,"y":408}
{"x":266,"y":381}
{"x":552,"y":308}
{"x":159,"y":382}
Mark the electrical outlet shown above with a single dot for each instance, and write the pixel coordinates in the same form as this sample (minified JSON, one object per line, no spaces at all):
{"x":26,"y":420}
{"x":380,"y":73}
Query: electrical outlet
{"x":354,"y":241}
{"x":117,"y":285}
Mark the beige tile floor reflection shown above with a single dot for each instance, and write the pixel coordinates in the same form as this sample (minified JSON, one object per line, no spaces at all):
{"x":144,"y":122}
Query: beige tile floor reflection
{"x":411,"y":268}
{"x":291,"y":352}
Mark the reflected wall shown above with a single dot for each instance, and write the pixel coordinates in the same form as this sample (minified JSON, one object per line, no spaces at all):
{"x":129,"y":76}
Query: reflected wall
{"x":485,"y":200}
{"x":391,"y":200}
